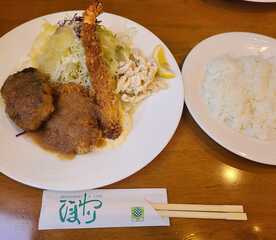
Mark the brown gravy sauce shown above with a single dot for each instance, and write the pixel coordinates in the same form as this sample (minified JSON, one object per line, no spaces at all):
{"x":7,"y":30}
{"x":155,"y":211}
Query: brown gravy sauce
{"x":38,"y":139}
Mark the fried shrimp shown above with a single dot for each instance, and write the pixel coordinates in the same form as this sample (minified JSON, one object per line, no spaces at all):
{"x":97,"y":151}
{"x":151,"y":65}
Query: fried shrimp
{"x":103,"y":82}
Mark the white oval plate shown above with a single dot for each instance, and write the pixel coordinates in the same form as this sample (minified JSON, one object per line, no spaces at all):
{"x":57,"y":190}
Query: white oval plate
{"x":193,"y":70}
{"x":261,"y":1}
{"x":153,"y":125}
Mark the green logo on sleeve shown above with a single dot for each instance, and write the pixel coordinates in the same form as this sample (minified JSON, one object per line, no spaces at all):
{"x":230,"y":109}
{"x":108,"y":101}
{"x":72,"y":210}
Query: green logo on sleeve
{"x":79,"y":209}
{"x":137,"y":214}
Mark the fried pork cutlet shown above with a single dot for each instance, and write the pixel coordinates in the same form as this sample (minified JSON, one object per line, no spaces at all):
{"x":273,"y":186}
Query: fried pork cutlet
{"x":28,"y":98}
{"x":73,"y":127}
{"x":102,"y":81}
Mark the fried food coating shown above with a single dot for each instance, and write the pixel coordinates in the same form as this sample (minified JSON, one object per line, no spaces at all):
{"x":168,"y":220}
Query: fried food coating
{"x":103,"y":82}
{"x":28,"y":98}
{"x":73,"y":127}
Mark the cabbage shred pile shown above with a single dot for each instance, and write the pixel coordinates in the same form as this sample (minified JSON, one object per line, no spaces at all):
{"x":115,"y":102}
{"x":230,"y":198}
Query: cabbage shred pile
{"x":58,"y":51}
{"x":114,"y":49}
{"x":75,"y":22}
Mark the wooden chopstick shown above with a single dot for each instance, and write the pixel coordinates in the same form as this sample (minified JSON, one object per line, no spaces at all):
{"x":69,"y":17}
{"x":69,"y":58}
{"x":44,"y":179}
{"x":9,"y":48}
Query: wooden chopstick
{"x":198,"y":207}
{"x":204,"y":215}
{"x":225,"y":212}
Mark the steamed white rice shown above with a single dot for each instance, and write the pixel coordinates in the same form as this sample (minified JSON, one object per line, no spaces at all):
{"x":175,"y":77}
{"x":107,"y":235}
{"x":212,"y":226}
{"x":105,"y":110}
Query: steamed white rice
{"x":241,"y":92}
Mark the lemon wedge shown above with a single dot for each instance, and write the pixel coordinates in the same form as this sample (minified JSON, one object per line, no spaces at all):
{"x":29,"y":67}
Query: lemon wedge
{"x":165,"y":73}
{"x":162,"y":63}
{"x":159,"y":56}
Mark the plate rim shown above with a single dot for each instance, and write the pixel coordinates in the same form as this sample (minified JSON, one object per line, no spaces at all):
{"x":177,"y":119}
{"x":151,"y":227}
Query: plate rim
{"x":261,"y":1}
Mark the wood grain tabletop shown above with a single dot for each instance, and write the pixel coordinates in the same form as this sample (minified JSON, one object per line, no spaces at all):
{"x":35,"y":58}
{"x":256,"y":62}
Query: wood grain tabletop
{"x":192,"y":167}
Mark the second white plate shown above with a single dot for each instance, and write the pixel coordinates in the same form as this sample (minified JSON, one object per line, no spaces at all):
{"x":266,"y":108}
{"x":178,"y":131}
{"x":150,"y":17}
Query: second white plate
{"x":235,"y":44}
{"x":262,"y":1}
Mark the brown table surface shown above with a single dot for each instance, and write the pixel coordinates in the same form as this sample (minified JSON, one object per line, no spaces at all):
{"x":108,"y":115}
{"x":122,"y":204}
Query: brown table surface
{"x":192,"y":167}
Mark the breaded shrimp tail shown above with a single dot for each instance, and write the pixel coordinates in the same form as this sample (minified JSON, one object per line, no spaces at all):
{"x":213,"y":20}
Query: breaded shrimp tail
{"x":102,"y":81}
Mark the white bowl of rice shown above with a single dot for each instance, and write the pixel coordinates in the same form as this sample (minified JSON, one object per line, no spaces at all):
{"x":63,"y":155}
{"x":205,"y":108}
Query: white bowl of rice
{"x":230,"y":90}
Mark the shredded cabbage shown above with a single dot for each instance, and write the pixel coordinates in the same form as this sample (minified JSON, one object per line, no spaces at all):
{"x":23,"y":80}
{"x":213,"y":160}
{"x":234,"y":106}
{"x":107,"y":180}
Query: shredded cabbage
{"x":72,"y":67}
{"x":114,"y":48}
{"x":58,"y":51}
